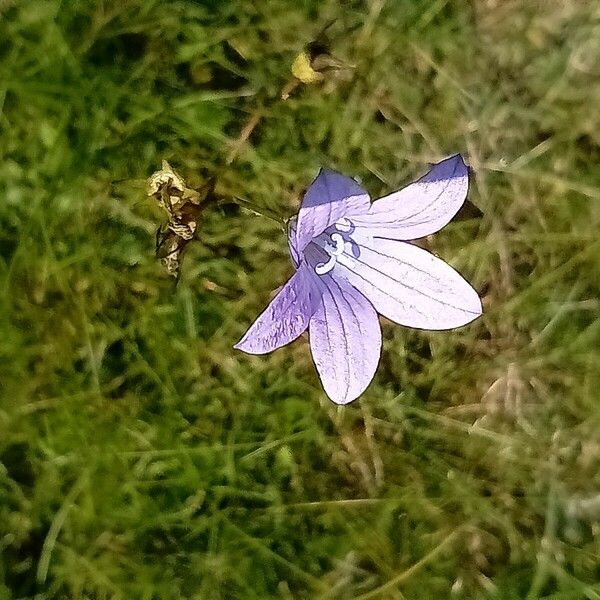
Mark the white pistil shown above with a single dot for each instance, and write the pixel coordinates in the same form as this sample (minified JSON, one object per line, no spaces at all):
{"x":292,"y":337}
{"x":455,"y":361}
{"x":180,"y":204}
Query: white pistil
{"x":324,"y":268}
{"x":334,"y":253}
{"x":338,"y":240}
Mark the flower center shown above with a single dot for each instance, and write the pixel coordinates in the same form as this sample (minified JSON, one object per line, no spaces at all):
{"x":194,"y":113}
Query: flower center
{"x":333,"y":244}
{"x":323,"y":268}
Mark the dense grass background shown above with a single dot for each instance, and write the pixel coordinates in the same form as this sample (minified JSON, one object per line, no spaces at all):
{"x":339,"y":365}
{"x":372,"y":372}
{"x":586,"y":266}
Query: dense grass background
{"x":141,"y":457}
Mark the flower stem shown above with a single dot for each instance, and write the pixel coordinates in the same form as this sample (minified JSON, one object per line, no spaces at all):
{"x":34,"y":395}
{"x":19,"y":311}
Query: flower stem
{"x":257,"y":210}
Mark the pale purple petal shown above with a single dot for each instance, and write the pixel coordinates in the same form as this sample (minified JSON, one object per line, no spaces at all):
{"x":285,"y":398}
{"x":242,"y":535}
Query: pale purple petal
{"x":421,"y":208}
{"x":408,"y":285}
{"x":345,"y":340}
{"x":286,"y":317}
{"x":330,"y":197}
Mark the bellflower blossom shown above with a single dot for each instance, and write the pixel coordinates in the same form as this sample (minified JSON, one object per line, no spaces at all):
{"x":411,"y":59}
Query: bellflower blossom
{"x":353,"y":261}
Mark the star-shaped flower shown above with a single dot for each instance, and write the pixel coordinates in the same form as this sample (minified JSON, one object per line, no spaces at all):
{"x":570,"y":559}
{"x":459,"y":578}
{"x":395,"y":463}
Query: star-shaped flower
{"x":353,"y":261}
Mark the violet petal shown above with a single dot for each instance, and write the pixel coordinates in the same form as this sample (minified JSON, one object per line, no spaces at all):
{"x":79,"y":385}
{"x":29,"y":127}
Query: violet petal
{"x":409,"y":285}
{"x":345,"y":340}
{"x":421,"y":208}
{"x":330,"y":197}
{"x":286,"y":317}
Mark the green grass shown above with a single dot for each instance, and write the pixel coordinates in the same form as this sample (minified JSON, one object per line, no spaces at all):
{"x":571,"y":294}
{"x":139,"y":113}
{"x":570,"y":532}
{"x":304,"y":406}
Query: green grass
{"x":142,"y":457}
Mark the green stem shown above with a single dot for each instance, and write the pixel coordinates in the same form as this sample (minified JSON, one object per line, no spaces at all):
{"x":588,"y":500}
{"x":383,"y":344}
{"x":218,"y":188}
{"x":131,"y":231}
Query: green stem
{"x":259,"y":210}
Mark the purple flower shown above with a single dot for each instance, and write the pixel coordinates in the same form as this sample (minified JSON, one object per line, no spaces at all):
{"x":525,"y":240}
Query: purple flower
{"x":352,"y":261}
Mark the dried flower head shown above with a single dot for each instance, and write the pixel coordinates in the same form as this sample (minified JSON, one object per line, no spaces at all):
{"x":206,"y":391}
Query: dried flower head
{"x":183,"y":206}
